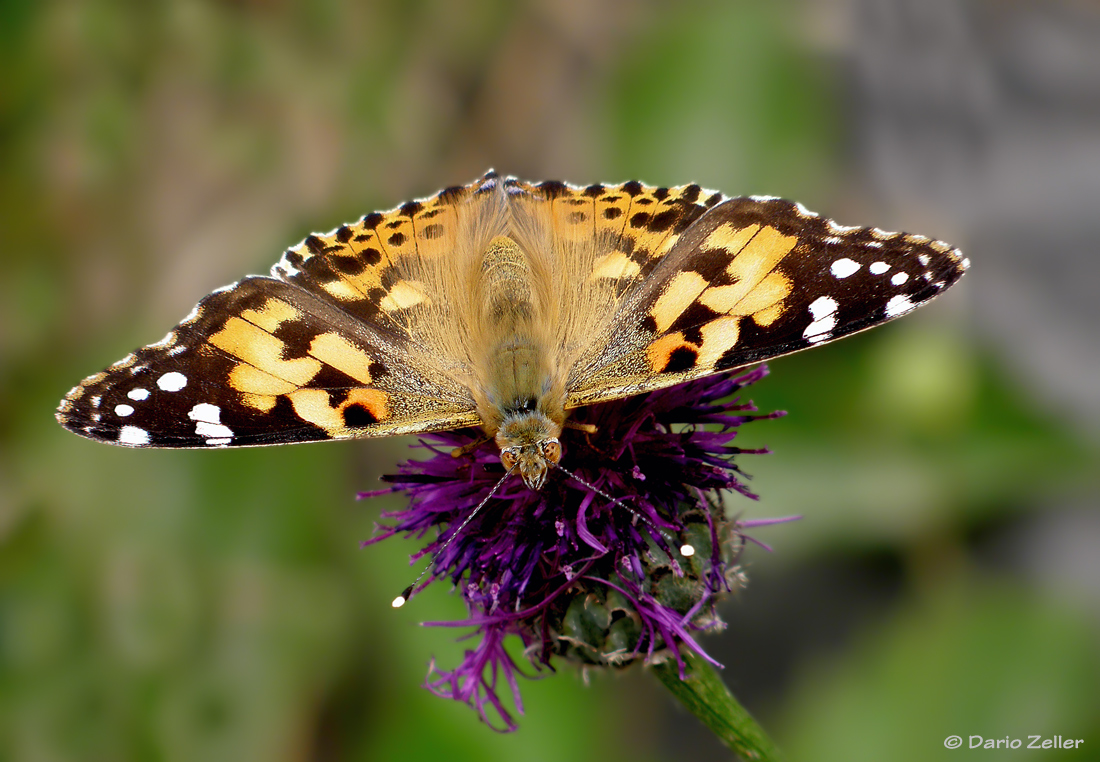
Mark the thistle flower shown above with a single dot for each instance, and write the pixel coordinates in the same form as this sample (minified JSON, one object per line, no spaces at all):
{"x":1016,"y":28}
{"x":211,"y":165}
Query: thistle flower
{"x":620,"y":557}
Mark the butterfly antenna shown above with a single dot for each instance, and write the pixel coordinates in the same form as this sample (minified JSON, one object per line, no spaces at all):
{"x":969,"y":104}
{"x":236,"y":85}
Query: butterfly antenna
{"x":399,"y":601}
{"x":685,"y":549}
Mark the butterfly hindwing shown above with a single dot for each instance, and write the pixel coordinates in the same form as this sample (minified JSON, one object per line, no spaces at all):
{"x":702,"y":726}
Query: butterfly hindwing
{"x":753,"y":279}
{"x":264,"y":362}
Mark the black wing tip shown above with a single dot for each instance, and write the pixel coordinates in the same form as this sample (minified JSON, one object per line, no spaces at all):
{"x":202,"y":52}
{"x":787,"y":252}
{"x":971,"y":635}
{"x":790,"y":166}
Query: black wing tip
{"x":90,"y":424}
{"x":827,"y":226}
{"x":87,"y":425}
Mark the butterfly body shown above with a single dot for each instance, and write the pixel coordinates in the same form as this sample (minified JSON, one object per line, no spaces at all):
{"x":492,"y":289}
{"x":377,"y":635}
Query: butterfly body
{"x":504,"y":304}
{"x":521,"y":399}
{"x":517,"y":371}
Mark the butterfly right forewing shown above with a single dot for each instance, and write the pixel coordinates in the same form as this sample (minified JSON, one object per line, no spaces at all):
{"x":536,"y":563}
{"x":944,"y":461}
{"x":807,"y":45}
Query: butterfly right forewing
{"x":753,"y":279}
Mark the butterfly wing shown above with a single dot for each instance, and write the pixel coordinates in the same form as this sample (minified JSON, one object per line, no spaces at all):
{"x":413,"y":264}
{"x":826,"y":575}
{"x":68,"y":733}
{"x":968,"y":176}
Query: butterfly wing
{"x":621,"y":232}
{"x":353,"y":336}
{"x":264,"y":362}
{"x":752,"y":279}
{"x":592,"y":249}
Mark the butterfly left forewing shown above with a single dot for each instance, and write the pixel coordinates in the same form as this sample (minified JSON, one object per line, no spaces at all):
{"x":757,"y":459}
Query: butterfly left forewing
{"x":359,"y":332}
{"x":265,"y":362}
{"x":753,"y":279}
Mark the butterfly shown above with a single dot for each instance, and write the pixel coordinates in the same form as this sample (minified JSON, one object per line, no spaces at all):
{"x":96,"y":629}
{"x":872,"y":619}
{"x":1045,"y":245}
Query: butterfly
{"x":505,"y":304}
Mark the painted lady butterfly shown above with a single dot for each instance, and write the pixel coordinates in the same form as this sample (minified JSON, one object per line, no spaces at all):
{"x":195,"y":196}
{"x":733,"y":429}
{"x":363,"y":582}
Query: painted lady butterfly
{"x":503,"y":304}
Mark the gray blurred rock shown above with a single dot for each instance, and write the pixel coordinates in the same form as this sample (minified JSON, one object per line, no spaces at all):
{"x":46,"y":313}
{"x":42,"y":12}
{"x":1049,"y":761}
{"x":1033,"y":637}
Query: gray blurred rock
{"x":984,"y":118}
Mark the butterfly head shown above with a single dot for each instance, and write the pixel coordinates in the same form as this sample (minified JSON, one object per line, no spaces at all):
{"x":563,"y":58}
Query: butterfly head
{"x":528,"y":441}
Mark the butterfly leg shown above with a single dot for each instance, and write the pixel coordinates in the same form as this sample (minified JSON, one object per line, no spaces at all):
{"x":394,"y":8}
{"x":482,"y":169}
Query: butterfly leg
{"x":469,"y":447}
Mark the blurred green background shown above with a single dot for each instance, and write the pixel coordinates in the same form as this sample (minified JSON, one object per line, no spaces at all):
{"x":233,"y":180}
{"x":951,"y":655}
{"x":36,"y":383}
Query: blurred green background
{"x":215,"y":605}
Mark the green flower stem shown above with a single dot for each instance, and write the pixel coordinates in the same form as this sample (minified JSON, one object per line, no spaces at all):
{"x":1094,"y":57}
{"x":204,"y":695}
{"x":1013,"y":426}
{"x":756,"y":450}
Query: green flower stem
{"x":708,"y":698}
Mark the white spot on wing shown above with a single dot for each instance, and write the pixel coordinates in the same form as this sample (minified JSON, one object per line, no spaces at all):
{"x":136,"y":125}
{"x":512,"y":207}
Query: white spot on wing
{"x":191,"y":316}
{"x":167,"y":341}
{"x":898,"y":278}
{"x":172,"y":381}
{"x":213,"y":431}
{"x":284,"y":268}
{"x":822,"y":306}
{"x":123,"y":410}
{"x":898,"y":305}
{"x":842,"y":228}
{"x":819,"y":329}
{"x":842,"y":268}
{"x":208,"y":424}
{"x":132,"y":435}
{"x":924,"y":259}
{"x":204,"y":411}
{"x":823,"y":310}
{"x":878,"y":268}
{"x":138,"y":394}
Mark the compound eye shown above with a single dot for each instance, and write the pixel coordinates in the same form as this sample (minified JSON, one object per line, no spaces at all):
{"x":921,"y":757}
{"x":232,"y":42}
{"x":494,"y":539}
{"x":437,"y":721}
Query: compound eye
{"x":551,"y":450}
{"x":508,"y":458}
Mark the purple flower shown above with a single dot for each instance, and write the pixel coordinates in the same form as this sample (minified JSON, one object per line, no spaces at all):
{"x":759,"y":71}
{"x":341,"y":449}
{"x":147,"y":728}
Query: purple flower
{"x":619,"y":557}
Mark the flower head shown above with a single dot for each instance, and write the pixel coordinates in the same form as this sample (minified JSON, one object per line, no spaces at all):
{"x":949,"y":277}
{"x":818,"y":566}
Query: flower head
{"x":618,"y":557}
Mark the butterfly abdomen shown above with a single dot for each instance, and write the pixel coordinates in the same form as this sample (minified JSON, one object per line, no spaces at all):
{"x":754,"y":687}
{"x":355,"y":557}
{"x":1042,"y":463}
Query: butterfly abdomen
{"x":505,"y":285}
{"x":517,"y":367}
